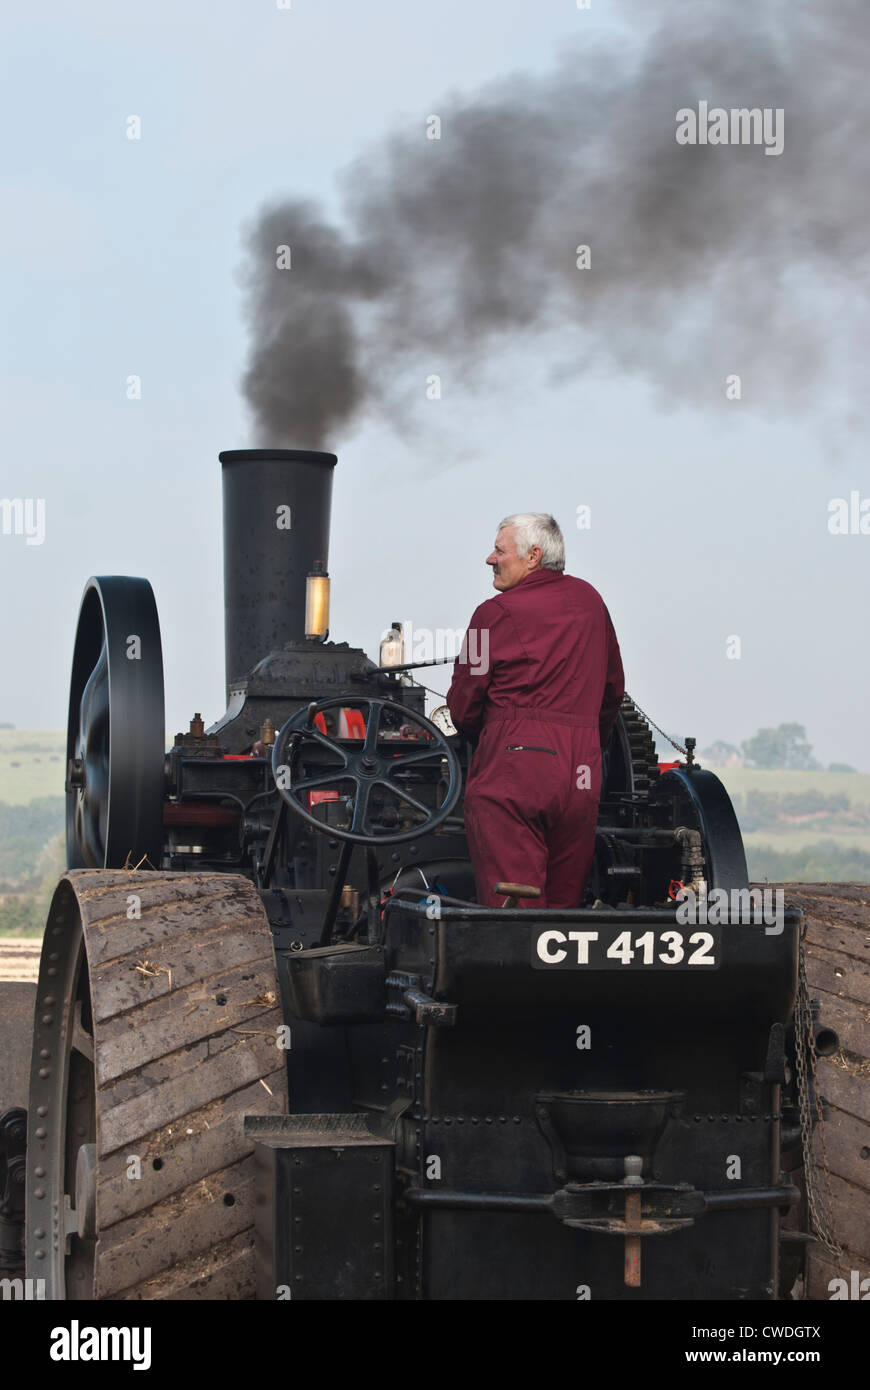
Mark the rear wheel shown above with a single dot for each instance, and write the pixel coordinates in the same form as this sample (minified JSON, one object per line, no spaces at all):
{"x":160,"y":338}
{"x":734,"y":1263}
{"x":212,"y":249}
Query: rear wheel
{"x":156,"y":1032}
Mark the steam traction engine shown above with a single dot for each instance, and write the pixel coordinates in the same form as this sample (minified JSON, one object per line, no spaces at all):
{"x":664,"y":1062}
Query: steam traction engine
{"x":499,"y":1104}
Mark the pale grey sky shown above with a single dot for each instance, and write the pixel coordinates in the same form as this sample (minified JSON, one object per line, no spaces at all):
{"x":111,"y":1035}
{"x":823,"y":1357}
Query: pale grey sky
{"x":708,"y":518}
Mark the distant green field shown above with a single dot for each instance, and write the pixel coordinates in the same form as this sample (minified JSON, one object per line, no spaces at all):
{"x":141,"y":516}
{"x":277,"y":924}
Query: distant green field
{"x":797,"y":837}
{"x":32,"y":764}
{"x":740,"y":780}
{"x":834,"y":846}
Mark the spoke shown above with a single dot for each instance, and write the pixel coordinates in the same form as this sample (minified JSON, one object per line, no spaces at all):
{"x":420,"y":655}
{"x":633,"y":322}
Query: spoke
{"x":406,"y":759}
{"x":80,"y":1041}
{"x":316,"y":735}
{"x":373,"y":727}
{"x":360,"y":807}
{"x":406,"y":796}
{"x":328,"y":779}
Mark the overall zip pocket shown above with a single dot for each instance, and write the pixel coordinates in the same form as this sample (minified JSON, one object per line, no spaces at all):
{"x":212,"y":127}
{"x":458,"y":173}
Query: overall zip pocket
{"x":528,"y":748}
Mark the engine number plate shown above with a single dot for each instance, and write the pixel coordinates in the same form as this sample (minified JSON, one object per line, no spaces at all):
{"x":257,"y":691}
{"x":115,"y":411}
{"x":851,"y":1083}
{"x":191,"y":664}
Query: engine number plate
{"x":608,"y":947}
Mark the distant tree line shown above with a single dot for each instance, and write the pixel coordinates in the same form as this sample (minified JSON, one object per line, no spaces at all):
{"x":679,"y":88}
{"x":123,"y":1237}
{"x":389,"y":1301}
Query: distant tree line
{"x":757,"y":810}
{"x":24,"y":832}
{"x":825,"y":861}
{"x":783,"y":748}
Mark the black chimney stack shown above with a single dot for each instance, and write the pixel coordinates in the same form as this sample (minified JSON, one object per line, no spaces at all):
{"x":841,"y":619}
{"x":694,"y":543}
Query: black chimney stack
{"x":276,"y":525}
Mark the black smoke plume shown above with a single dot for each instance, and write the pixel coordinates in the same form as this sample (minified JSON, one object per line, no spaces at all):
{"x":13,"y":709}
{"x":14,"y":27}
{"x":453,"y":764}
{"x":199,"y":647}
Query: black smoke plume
{"x":704,"y":260}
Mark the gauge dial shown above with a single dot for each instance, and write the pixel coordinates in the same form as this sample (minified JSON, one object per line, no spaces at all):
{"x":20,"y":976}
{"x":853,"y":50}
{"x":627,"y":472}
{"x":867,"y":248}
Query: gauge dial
{"x":440,"y":717}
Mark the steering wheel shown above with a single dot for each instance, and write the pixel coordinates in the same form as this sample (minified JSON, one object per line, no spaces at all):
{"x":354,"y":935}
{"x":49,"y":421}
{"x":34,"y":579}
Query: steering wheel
{"x":366,"y":768}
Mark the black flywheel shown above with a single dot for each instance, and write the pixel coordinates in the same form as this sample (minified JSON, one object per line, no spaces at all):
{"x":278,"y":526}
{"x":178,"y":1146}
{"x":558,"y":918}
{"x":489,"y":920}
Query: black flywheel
{"x":115,"y":733}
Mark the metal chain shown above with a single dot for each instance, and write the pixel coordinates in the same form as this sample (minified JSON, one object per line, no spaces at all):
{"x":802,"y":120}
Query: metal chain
{"x":441,"y":697}
{"x":819,"y":1205}
{"x":679,"y":747}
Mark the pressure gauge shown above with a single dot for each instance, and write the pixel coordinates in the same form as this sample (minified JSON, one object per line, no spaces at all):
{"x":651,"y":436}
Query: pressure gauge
{"x":440,"y":717}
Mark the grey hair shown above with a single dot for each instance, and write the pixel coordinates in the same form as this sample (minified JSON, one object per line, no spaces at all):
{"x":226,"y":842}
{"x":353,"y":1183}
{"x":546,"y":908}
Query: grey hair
{"x":538,"y":528}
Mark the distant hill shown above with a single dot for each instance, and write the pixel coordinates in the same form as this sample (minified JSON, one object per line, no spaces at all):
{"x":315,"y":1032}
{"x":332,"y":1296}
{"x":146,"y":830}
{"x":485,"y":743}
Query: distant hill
{"x":32,"y":764}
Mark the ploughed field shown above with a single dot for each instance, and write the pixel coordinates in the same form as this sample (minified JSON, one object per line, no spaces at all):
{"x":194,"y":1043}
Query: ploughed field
{"x":19,"y":957}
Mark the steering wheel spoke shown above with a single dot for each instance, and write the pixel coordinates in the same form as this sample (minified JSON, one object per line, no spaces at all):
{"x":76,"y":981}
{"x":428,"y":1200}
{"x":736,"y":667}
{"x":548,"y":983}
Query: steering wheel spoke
{"x":405,"y":795}
{"x":329,"y":743}
{"x":326,"y":779}
{"x":373,"y":728}
{"x":408,"y":759}
{"x":360,"y":807}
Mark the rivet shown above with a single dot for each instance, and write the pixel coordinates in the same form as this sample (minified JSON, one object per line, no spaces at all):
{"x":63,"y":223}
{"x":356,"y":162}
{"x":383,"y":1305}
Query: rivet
{"x":517,"y":1120}
{"x":48,"y":1019}
{"x":44,"y":1072}
{"x":45,"y":1052}
{"x":40,"y":1133}
{"x":49,"y":1001}
{"x":42,"y":1110}
{"x":51,"y":971}
{"x":40,"y":1234}
{"x":40,"y":1192}
{"x":40,"y":1254}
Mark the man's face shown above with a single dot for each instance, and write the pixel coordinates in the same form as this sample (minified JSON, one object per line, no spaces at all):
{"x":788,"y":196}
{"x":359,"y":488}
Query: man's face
{"x":507,"y":566}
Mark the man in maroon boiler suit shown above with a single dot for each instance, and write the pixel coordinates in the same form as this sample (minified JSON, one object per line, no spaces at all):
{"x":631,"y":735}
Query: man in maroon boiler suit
{"x":539,"y":682}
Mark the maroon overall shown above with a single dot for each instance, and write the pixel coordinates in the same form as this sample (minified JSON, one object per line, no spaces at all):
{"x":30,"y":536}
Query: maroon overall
{"x":540,"y":680}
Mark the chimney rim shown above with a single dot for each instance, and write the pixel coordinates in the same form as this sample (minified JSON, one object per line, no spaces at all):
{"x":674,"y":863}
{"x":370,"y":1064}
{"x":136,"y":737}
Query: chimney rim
{"x":232,"y":456}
